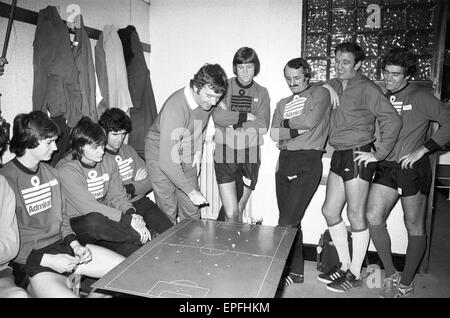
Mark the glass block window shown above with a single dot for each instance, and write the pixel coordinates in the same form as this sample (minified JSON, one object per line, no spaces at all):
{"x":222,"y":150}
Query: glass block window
{"x":376,"y":25}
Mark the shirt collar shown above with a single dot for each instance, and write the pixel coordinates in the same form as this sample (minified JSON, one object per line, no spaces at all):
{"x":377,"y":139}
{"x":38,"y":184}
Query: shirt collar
{"x":190,"y":99}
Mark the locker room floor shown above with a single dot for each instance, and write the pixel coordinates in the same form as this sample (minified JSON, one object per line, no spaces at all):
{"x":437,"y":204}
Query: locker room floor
{"x":434,"y":284}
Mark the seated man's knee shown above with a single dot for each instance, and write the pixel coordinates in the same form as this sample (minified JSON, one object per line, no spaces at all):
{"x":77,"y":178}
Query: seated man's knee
{"x":93,"y":221}
{"x":13,"y":292}
{"x":17,"y":292}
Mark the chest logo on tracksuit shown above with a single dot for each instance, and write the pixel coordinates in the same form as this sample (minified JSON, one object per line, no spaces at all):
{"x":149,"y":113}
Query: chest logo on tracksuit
{"x":96,"y":185}
{"x":295,"y":107}
{"x":241,"y":102}
{"x":125,"y":168}
{"x":398,"y":105}
{"x":38,"y":198}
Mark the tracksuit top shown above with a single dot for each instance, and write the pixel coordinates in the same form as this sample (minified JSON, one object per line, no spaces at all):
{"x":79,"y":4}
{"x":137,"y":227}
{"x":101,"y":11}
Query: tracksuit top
{"x":41,"y":216}
{"x":417,"y":107}
{"x":176,"y":134}
{"x":9,"y":234}
{"x":232,"y":127}
{"x":309,"y":110}
{"x":353,"y":121}
{"x":94,"y":189}
{"x":128,"y":162}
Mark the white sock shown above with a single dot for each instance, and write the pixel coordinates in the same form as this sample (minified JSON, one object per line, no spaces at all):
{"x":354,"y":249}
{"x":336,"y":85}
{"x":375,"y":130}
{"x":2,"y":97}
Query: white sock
{"x":338,"y":234}
{"x":360,"y":243}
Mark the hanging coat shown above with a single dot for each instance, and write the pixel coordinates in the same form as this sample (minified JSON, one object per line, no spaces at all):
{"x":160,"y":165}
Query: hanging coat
{"x":86,"y":73}
{"x":55,"y":83}
{"x":144,"y":110}
{"x":110,"y":52}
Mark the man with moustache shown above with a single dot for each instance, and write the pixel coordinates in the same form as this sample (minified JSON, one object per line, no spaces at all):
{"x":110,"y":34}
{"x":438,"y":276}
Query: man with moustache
{"x":361,"y":103}
{"x":174,"y":143}
{"x":406,"y":171}
{"x":300,"y":127}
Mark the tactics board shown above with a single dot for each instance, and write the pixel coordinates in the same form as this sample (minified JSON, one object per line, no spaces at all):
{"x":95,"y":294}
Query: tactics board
{"x":205,"y":258}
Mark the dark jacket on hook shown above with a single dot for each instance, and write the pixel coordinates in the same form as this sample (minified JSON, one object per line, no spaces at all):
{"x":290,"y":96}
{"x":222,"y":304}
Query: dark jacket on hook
{"x":55,"y":86}
{"x":86,"y":73}
{"x":144,"y":111}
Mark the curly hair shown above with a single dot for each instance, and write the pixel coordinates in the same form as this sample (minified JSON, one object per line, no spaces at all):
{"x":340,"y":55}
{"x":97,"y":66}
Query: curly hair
{"x":211,"y":75}
{"x":401,"y":57}
{"x":115,"y":119}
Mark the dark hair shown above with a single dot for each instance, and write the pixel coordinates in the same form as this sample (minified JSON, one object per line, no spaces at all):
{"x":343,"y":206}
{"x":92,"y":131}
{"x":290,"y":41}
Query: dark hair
{"x":246,"y":55}
{"x":115,"y":119}
{"x":211,"y":75}
{"x":29,"y":129}
{"x":86,"y":132}
{"x":353,"y":48}
{"x":3,"y":142}
{"x":401,"y":57}
{"x":297,"y":63}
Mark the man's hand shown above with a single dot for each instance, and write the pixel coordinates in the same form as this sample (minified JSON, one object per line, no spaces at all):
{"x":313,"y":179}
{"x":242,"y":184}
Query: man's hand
{"x":137,"y":221}
{"x":197,"y":161}
{"x":364,"y":157}
{"x":141,"y":174}
{"x":83,"y":253}
{"x":61,"y":263}
{"x":408,"y":160}
{"x":333,"y":95}
{"x":197,"y":198}
{"x":3,"y":61}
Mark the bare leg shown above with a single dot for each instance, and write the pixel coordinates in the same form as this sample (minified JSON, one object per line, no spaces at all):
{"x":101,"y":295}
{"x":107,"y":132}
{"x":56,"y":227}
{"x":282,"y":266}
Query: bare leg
{"x":9,"y":290}
{"x":103,"y":260}
{"x":243,"y":201}
{"x":228,"y":196}
{"x":331,"y":210}
{"x":50,"y":285}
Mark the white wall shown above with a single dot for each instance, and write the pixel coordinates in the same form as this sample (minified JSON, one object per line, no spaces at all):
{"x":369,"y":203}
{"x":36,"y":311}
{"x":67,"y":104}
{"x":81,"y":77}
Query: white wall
{"x":186,"y":34}
{"x":16,"y":84}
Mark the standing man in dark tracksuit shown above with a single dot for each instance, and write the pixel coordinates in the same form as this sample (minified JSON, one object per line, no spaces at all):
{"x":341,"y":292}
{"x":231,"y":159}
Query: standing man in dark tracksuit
{"x":300,"y":127}
{"x":406,"y":171}
{"x":361,"y":103}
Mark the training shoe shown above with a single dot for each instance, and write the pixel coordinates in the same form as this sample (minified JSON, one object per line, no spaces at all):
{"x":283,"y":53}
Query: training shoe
{"x":390,"y":284}
{"x":345,"y":283}
{"x":292,"y":278}
{"x":404,"y":291}
{"x":334,"y":273}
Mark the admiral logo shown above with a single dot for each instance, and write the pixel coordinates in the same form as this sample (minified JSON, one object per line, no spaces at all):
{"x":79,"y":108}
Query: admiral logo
{"x":295,"y":107}
{"x":38,"y":198}
{"x":398,"y":105}
{"x":241,"y":103}
{"x":125,"y":169}
{"x":96,"y":184}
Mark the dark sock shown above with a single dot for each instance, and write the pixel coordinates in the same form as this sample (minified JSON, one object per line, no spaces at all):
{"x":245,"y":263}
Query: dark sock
{"x":382,"y":242}
{"x":414,"y":253}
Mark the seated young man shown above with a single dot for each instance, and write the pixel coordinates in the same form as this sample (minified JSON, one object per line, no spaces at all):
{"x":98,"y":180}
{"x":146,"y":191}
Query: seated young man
{"x":96,"y":200}
{"x":132,"y":169}
{"x":9,"y":233}
{"x":49,"y":251}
